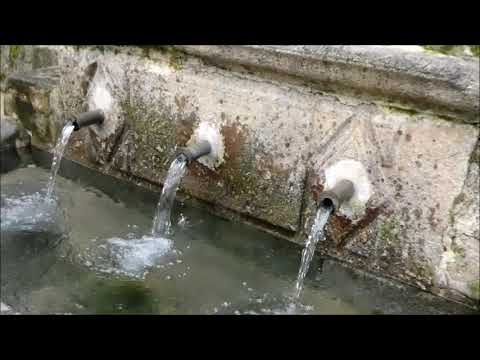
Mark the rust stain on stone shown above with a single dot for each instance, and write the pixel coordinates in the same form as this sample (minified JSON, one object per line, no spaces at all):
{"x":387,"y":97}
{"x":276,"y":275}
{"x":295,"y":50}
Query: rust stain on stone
{"x":184,"y":129}
{"x":234,"y":138}
{"x":203,"y":173}
{"x":338,"y":227}
{"x":341,"y":229}
{"x":316,"y":188}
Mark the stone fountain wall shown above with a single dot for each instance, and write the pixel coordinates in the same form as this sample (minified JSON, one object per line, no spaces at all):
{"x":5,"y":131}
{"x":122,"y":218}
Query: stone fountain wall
{"x":286,"y":114}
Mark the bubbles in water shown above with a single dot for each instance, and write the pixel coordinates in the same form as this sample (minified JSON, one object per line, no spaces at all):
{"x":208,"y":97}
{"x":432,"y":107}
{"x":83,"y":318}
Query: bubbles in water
{"x":183,"y":221}
{"x":25,"y":211}
{"x":266,"y":304}
{"x":131,"y":257}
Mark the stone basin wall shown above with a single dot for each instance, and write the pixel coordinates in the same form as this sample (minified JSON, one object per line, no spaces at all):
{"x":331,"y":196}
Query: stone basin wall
{"x":286,"y":114}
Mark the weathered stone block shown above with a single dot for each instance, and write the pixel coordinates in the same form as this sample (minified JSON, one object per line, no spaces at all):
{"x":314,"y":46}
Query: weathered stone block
{"x":29,"y":99}
{"x":260,"y":176}
{"x":417,"y":166}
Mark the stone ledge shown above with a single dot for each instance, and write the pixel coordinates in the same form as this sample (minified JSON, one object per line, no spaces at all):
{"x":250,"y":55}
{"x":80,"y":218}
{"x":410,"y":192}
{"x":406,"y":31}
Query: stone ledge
{"x":45,"y":78}
{"x":444,"y":85}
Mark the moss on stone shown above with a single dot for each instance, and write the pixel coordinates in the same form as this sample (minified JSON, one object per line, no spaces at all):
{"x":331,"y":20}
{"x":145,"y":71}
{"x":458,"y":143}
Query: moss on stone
{"x":458,"y":250}
{"x":422,"y":270}
{"x":412,"y":113}
{"x":14,"y":53}
{"x":401,"y":110}
{"x":177,"y":57}
{"x":451,"y":216}
{"x":453,"y":50}
{"x":474,"y":288}
{"x":357,"y":207}
{"x":458,"y":199}
{"x":388,"y":232}
{"x":177,"y":60}
{"x":475,"y":49}
{"x":450,"y":119}
{"x":100,"y":48}
{"x":443,"y":49}
{"x":475,"y":156}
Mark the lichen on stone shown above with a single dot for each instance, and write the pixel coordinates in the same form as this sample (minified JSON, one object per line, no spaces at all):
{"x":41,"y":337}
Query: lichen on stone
{"x":474,"y":288}
{"x":388,"y":232}
{"x":475,"y":156}
{"x":458,"y":250}
{"x":177,"y":57}
{"x":475,"y":49}
{"x":402,"y":110}
{"x":14,"y":52}
{"x":454,"y":50}
{"x":458,"y":199}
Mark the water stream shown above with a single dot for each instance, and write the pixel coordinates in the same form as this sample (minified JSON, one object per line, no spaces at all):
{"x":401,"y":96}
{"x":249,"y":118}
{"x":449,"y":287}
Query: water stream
{"x":321,"y":219}
{"x":161,"y":222}
{"x":57,"y":157}
{"x":133,"y":255}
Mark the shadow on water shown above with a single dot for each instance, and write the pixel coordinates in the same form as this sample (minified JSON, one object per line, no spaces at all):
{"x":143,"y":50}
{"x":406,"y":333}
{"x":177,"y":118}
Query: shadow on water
{"x":117,"y":297}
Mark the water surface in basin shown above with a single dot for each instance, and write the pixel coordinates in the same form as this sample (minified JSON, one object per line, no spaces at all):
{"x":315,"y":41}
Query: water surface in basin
{"x":96,"y":254}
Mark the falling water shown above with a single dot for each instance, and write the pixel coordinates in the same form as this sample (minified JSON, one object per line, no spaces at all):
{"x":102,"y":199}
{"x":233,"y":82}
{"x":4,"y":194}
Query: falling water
{"x":132,"y":256}
{"x":316,"y":233}
{"x":161,"y":222}
{"x":57,"y":157}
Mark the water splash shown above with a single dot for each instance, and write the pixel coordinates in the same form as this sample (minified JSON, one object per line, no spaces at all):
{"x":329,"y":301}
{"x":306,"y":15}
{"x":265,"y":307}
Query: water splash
{"x":162,"y":223}
{"x":131,"y":256}
{"x":137,"y":254}
{"x":57,"y":157}
{"x":321,"y":219}
{"x":264,"y":304}
{"x":26,"y":211}
{"x":5,"y":307}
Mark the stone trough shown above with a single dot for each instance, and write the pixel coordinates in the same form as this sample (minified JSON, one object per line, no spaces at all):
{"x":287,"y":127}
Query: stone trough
{"x":287,"y":116}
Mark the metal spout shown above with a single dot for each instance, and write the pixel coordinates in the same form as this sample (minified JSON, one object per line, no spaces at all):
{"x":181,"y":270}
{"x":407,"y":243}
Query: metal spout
{"x":196,"y":151}
{"x":88,"y":118}
{"x":341,"y":192}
